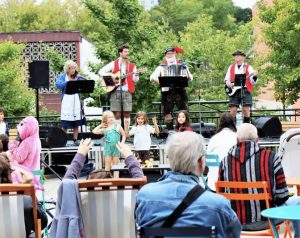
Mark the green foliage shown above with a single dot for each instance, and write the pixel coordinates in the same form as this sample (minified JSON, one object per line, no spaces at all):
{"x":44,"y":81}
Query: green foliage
{"x":15,"y":96}
{"x":178,"y":13}
{"x":243,"y":15}
{"x":33,"y":15}
{"x":144,"y":38}
{"x":204,"y":43}
{"x":282,"y":31}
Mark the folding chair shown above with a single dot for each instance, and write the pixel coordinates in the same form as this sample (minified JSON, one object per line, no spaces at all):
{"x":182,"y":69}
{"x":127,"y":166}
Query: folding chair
{"x":12,"y":222}
{"x":108,"y":206}
{"x":212,"y":162}
{"x":236,"y":191}
{"x":148,"y":232}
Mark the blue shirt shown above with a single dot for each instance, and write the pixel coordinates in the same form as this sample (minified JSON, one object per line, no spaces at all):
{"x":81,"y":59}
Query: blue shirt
{"x":156,"y":201}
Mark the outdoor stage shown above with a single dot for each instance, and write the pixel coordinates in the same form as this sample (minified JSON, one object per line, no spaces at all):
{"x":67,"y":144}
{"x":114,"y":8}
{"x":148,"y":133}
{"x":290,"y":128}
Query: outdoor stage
{"x":157,"y":151}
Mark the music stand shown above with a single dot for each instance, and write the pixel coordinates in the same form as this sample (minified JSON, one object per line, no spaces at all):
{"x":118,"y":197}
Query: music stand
{"x":173,"y":81}
{"x":80,"y":86}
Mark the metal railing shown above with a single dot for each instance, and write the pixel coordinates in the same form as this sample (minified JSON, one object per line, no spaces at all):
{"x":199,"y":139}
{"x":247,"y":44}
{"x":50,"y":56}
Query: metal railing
{"x":207,"y":116}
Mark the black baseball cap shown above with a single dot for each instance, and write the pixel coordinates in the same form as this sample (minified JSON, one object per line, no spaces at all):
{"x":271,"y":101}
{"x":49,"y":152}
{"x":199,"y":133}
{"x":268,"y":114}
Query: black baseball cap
{"x":239,"y":52}
{"x":170,"y":49}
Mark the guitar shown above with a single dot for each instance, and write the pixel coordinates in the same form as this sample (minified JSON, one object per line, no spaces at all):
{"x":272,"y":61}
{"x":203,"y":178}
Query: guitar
{"x":232,"y":90}
{"x":111,"y":86}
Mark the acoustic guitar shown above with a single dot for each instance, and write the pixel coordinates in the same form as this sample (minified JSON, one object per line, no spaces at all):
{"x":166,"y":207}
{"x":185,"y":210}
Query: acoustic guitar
{"x":109,"y":83}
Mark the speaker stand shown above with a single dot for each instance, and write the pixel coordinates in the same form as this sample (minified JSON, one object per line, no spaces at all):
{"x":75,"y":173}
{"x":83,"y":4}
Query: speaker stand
{"x":37,"y":104}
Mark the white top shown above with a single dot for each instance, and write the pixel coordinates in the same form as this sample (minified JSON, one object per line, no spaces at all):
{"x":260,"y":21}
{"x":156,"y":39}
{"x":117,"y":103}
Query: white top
{"x":2,"y":128}
{"x":110,"y":67}
{"x":142,"y":140}
{"x":240,"y":70}
{"x":219,"y":144}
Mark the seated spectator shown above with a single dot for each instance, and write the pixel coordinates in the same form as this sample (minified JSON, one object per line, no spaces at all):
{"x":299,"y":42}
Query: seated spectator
{"x":6,"y":174}
{"x":243,"y":163}
{"x":156,"y":201}
{"x":220,"y":144}
{"x":68,"y":220}
{"x":26,"y":148}
{"x":4,"y":139}
{"x":4,"y":129}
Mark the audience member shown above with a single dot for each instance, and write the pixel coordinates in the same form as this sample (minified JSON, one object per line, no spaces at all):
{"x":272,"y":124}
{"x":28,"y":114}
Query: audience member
{"x":6,"y":176}
{"x":224,"y":138}
{"x":4,"y":139}
{"x":26,"y":148}
{"x":247,"y":162}
{"x":220,"y":144}
{"x":183,"y":121}
{"x":68,"y":220}
{"x":112,"y":132}
{"x":156,"y":201}
{"x":142,"y":135}
{"x":4,"y":129}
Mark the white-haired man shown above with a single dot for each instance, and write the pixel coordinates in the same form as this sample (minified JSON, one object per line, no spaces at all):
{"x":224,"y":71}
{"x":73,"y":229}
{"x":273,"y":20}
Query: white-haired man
{"x":156,"y":201}
{"x":247,"y":162}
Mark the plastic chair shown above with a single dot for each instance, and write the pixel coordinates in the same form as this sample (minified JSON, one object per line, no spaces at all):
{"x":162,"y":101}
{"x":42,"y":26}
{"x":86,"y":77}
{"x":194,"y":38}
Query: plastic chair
{"x":147,"y":232}
{"x":110,"y":202}
{"x":12,"y":222}
{"x":236,"y":191}
{"x":211,"y":161}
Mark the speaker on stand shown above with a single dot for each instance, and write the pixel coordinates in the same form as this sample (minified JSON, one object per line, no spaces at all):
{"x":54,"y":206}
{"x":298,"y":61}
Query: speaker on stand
{"x":38,"y":78}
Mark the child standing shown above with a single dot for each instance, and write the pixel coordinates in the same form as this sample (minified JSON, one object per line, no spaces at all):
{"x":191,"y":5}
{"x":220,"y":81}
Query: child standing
{"x":4,"y":129}
{"x":112,"y":132}
{"x":183,"y":122}
{"x":141,"y":132}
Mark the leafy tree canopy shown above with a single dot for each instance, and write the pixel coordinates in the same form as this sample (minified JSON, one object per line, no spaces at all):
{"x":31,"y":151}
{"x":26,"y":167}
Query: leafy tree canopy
{"x":282,"y":31}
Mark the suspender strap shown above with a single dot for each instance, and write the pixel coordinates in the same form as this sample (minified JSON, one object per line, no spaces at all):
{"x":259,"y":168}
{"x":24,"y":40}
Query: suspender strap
{"x":192,"y":195}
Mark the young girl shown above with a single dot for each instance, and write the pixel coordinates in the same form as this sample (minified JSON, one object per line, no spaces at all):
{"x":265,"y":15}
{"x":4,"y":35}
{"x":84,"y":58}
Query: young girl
{"x":112,"y":132}
{"x":141,"y":132}
{"x":183,"y":122}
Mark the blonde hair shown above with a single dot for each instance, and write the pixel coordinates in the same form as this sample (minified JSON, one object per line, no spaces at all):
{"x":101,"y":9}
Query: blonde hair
{"x":105,"y":115}
{"x":68,"y":64}
{"x":141,"y":114}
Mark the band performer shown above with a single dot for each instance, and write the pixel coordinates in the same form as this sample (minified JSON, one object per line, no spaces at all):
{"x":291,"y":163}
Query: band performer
{"x":71,"y":111}
{"x":172,"y":96}
{"x":239,"y":79}
{"x":123,"y":66}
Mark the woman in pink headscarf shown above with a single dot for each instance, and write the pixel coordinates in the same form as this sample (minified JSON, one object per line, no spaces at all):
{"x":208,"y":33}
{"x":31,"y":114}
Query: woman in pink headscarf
{"x":25,"y":150}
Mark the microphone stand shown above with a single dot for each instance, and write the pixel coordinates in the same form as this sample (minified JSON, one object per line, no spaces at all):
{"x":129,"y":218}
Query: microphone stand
{"x":121,"y":94}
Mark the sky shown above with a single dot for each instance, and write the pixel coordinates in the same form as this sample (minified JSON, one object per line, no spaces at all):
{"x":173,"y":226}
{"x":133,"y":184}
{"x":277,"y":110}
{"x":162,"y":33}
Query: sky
{"x":244,"y":3}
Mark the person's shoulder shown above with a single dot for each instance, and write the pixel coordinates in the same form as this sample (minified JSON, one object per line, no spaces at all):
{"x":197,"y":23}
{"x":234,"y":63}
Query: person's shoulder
{"x":215,"y":201}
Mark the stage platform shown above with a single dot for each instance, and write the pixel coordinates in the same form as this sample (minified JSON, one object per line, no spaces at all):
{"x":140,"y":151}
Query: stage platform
{"x":157,"y":151}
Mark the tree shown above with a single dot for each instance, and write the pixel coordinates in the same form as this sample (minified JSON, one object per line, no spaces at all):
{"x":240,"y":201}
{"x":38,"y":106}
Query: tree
{"x":243,"y":15}
{"x":128,"y":23}
{"x":178,"y":13}
{"x":15,"y":96}
{"x":33,"y":15}
{"x":281,"y":31}
{"x":212,"y":48}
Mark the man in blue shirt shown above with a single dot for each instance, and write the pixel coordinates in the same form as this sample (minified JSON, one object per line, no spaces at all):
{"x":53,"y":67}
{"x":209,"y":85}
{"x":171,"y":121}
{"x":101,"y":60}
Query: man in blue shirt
{"x":156,"y":201}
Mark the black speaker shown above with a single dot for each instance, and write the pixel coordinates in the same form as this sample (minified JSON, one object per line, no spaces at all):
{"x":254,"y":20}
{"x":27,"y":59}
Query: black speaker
{"x":39,"y":74}
{"x":207,"y":129}
{"x":268,"y":127}
{"x":52,"y":137}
